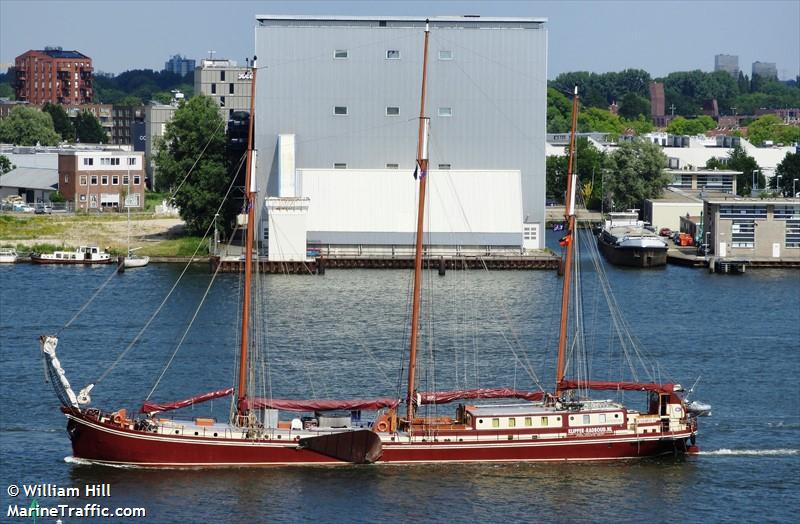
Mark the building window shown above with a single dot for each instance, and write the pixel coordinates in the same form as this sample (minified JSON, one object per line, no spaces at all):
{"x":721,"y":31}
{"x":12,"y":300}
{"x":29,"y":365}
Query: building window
{"x":104,"y":180}
{"x":529,"y":232}
{"x":88,"y":161}
{"x":114,"y":180}
{"x":340,"y":54}
{"x":512,"y":422}
{"x":230,"y":89}
{"x":445,"y":54}
{"x":66,"y":179}
{"x":132,"y":161}
{"x":445,"y":111}
{"x":392,"y":111}
{"x":222,"y":101}
{"x":495,"y":422}
{"x":340,"y":165}
{"x":444,"y":166}
{"x":213,"y":89}
{"x":793,"y":233}
{"x":743,"y":233}
{"x":222,"y":75}
{"x":393,"y":54}
{"x":340,"y":110}
{"x":734,"y":211}
{"x":93,"y":180}
{"x":787,"y":212}
{"x":83,"y":198}
{"x":83,"y":180}
{"x":392,"y":166}
{"x":125,"y":180}
{"x":137,"y":180}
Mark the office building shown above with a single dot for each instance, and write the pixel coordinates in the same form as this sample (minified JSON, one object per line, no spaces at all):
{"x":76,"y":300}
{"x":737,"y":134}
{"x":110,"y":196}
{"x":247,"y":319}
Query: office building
{"x":226,"y":82}
{"x":727,"y":63}
{"x":180,"y":65}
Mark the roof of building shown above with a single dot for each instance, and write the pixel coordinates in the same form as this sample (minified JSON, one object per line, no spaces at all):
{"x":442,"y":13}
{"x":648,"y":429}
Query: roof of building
{"x":59,"y":53}
{"x":720,"y":172}
{"x":749,"y":201}
{"x":684,"y":196}
{"x":31,"y":178}
{"x":421,"y":19}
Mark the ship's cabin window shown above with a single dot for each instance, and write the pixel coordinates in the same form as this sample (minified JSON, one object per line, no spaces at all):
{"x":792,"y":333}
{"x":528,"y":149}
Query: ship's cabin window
{"x":529,"y":421}
{"x":544,"y":421}
{"x":495,"y":422}
{"x":601,"y":418}
{"x":587,"y":419}
{"x":512,"y":422}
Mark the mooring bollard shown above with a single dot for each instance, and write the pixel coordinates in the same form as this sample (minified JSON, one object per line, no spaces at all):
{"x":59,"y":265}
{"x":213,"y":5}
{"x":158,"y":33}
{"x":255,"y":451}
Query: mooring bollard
{"x":121,"y":264}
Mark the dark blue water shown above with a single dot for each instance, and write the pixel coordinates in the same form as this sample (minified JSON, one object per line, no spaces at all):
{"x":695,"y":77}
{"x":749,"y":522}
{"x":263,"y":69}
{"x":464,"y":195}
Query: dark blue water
{"x":343,"y":335}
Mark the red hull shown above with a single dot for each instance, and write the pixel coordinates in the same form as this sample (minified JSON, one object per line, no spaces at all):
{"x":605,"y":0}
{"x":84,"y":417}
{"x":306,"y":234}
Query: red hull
{"x":109,"y":444}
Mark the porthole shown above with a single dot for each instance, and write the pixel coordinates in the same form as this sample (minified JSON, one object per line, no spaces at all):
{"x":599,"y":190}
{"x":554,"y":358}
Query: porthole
{"x":480,"y":421}
{"x":616,"y":415}
{"x":176,"y":431}
{"x":572,"y":418}
{"x":215,"y":434}
{"x":196,"y":433}
{"x":279,"y":437}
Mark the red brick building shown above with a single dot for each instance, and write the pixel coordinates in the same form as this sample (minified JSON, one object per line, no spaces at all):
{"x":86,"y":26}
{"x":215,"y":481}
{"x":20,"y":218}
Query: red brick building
{"x":55,"y":76}
{"x":96,"y":180}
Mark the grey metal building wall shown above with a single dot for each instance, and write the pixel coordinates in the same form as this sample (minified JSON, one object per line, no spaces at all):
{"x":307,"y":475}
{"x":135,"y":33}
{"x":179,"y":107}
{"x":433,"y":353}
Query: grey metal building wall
{"x":495,"y":84}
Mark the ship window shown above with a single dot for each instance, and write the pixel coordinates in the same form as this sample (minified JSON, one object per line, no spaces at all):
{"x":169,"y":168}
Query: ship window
{"x":529,"y":421}
{"x":495,"y":422}
{"x":616,"y":415}
{"x":586,"y":419}
{"x":512,"y":422}
{"x":480,"y":421}
{"x":601,"y":418}
{"x":558,"y":419}
{"x":544,"y":421}
{"x":340,"y":53}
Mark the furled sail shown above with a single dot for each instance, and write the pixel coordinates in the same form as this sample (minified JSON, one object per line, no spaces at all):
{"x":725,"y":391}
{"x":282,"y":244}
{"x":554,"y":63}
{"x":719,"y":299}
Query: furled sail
{"x":154,"y":407}
{"x":616,"y":386}
{"x":443,"y":397}
{"x":320,"y":405}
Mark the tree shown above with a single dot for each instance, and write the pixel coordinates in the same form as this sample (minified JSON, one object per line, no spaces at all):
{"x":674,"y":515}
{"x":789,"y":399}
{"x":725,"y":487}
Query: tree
{"x":691,"y":126}
{"x":788,"y":170}
{"x":588,"y":166}
{"x":61,"y":122}
{"x":5,"y":165}
{"x":635,"y":172}
{"x":633,"y":105}
{"x":195,"y":126}
{"x":600,"y":120}
{"x":641,"y":125}
{"x":559,"y":109}
{"x":771,"y":127}
{"x":88,"y":129}
{"x":27,"y":126}
{"x":738,"y":160}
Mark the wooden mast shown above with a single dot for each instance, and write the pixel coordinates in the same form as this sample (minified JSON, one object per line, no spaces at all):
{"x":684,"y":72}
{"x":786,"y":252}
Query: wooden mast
{"x":248,"y":253}
{"x":422,"y":167}
{"x":569,"y":216}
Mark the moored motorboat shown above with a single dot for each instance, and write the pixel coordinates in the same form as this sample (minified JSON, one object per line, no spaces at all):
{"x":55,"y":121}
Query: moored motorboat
{"x":624,"y":241}
{"x":82,"y":255}
{"x":8,"y":255}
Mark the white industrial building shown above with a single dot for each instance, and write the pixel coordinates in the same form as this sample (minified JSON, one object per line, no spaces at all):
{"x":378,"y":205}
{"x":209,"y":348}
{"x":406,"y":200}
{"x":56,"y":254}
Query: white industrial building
{"x":337,"y":107}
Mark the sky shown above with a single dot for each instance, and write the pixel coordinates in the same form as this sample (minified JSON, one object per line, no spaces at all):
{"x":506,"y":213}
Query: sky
{"x":586,"y":35}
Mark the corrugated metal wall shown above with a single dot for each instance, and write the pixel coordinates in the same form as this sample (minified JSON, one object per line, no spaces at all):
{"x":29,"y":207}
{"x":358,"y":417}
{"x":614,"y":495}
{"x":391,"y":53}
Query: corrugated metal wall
{"x":495,"y":85}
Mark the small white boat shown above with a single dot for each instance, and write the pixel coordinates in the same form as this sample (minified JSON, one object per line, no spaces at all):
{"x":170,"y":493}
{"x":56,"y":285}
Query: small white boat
{"x":134,"y":260}
{"x":8,"y":255}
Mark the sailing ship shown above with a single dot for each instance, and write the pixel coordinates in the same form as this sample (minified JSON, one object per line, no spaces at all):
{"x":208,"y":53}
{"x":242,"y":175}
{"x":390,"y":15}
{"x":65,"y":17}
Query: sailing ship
{"x":624,"y":241}
{"x":132,"y":259}
{"x":519,"y":426}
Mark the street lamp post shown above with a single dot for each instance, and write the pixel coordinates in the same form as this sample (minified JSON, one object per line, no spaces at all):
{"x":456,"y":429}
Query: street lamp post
{"x":778,"y":184}
{"x":794,"y":191}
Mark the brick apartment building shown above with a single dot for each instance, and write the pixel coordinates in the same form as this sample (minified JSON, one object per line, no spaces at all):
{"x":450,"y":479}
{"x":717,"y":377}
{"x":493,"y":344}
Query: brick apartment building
{"x":53,"y":75}
{"x":96,"y":180}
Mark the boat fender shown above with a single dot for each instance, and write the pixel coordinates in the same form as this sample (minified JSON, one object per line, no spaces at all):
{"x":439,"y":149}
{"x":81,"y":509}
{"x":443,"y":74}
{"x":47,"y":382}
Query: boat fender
{"x":382,"y":426}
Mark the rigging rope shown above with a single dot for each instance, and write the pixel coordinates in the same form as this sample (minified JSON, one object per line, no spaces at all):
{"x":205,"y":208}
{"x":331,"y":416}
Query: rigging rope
{"x":172,"y":289}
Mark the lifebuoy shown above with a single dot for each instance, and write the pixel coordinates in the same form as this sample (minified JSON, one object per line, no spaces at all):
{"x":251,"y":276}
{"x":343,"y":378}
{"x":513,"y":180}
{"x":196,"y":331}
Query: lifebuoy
{"x":117,"y":419}
{"x":382,"y":426}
